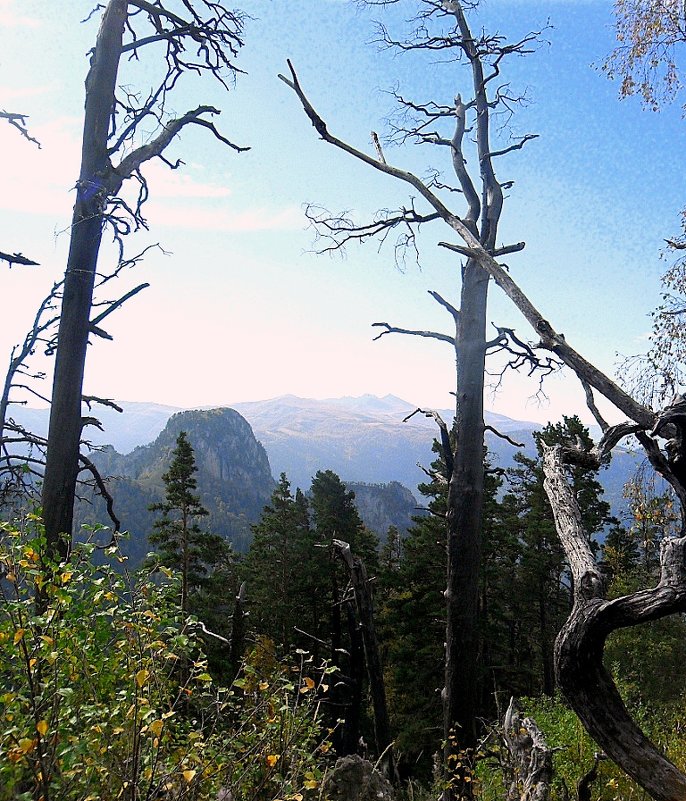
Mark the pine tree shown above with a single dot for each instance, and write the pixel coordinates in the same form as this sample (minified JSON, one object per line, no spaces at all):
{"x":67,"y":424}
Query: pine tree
{"x":282,"y":568}
{"x":334,"y":516}
{"x":181,"y":544}
{"x":499,"y":660}
{"x":413,"y":617}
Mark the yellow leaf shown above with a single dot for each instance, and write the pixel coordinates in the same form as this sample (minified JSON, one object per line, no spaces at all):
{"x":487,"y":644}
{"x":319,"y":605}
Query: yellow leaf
{"x":66,"y":577}
{"x":18,"y":635}
{"x":156,"y":727}
{"x":11,"y":577}
{"x":188,"y":775}
{"x":27,"y":744}
{"x":309,"y":683}
{"x":42,"y":727}
{"x":142,"y":677}
{"x":263,"y":685}
{"x":310,"y":784}
{"x":272,"y":759}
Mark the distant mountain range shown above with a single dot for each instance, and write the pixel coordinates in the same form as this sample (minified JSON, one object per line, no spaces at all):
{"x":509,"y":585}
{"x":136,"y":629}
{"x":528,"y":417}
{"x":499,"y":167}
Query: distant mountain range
{"x":363,"y":439}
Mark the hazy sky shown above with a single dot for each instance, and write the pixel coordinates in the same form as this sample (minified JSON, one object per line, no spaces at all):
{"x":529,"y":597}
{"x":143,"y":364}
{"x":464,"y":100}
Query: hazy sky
{"x":240,"y":308}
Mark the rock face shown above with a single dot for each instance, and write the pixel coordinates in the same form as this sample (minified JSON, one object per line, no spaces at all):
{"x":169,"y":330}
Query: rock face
{"x":354,"y":779}
{"x":234,"y":477}
{"x":385,"y":505}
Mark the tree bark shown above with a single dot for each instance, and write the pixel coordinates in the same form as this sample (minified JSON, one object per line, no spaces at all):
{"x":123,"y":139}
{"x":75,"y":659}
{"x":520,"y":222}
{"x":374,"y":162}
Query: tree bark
{"x":365,"y":612}
{"x":464,"y":518}
{"x":238,"y":631}
{"x":580,"y":673}
{"x":529,"y":768}
{"x":64,"y":434}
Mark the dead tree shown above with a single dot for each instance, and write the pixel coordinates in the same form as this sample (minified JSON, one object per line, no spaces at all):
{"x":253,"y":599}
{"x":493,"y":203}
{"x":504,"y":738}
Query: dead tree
{"x":204,"y":37}
{"x":528,"y":764}
{"x":22,"y":454}
{"x":446,"y":125}
{"x":580,"y":673}
{"x":365,"y":615}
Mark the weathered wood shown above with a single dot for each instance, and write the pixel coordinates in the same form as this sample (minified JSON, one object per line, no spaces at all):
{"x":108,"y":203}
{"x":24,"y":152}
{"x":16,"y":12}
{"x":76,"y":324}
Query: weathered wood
{"x":64,"y":433}
{"x":581,"y":676}
{"x":365,"y":611}
{"x":238,"y":630}
{"x":529,"y":771}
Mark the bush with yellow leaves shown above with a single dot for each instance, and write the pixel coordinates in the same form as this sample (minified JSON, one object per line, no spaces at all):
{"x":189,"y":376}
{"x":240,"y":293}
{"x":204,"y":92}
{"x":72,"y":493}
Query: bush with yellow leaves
{"x":105,"y":693}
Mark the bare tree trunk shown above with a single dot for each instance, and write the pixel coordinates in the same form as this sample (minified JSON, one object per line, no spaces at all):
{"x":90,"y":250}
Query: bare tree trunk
{"x":351,"y":740}
{"x":238,"y":631}
{"x":464,"y":521}
{"x":99,"y":181}
{"x":365,"y":612}
{"x":62,"y":463}
{"x":583,"y":679}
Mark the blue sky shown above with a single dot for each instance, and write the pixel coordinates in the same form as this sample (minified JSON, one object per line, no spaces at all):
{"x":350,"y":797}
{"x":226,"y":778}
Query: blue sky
{"x":242,"y":309}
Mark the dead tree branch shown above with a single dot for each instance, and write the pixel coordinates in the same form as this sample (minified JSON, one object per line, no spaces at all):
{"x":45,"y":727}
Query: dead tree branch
{"x":17,"y":258}
{"x":18,"y":121}
{"x":391,"y":329}
{"x":503,"y":436}
{"x":446,"y":445}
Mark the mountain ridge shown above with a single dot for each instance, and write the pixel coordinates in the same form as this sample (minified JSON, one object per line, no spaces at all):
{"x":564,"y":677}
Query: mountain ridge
{"x":362,"y":438}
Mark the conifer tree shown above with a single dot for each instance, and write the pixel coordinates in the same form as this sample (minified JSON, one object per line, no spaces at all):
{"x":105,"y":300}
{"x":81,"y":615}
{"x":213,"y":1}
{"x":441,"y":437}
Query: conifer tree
{"x":413,"y":617}
{"x":413,"y":632}
{"x":334,"y":516}
{"x":281,"y":569}
{"x":181,"y":544}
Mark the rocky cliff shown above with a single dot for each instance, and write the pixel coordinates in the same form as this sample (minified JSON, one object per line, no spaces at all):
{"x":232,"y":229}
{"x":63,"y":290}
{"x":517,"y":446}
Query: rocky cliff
{"x":234,"y":477}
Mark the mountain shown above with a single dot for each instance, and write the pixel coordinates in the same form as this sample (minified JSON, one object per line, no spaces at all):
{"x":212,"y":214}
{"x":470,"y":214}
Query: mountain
{"x":234,"y":477}
{"x":363,"y":439}
{"x":384,"y":505}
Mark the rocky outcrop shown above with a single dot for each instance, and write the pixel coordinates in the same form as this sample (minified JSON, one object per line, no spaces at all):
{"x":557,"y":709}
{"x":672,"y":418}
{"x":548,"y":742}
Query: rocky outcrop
{"x":234,"y":477}
{"x":355,"y":779}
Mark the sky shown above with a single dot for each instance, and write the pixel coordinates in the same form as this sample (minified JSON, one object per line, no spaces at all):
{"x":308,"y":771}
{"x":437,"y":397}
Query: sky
{"x":240,"y":306}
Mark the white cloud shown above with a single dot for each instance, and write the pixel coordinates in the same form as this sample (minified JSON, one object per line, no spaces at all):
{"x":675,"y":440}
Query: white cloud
{"x":11,"y":17}
{"x":9,"y":93}
{"x":168,"y":183}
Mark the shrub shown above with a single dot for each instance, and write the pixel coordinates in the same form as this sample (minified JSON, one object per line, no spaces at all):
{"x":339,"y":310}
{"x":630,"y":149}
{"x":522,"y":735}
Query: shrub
{"x":106,"y":692}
